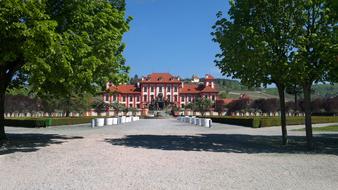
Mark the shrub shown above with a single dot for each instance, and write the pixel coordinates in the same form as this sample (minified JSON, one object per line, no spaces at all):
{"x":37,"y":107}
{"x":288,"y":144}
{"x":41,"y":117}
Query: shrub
{"x":243,"y":121}
{"x":44,"y":122}
{"x":29,"y":123}
{"x":256,"y":122}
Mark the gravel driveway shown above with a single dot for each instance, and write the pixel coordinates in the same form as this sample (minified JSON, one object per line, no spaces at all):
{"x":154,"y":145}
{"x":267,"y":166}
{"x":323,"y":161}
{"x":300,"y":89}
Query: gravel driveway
{"x":165,"y":154}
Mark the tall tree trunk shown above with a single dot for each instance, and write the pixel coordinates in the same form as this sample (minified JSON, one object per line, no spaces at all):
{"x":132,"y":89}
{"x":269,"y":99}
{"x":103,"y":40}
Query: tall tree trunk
{"x":281,"y":92}
{"x":2,"y":110}
{"x":308,"y":113}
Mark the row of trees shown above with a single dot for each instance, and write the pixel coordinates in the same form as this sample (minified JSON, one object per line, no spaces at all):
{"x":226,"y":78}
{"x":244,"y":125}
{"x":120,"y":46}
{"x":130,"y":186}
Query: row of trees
{"x":61,"y":48}
{"x":30,"y":104}
{"x":272,"y":105}
{"x":280,"y":42}
{"x":100,"y":107}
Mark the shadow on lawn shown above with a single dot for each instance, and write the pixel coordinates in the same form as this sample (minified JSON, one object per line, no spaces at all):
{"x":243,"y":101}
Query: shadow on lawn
{"x":30,"y":142}
{"x":230,"y":143}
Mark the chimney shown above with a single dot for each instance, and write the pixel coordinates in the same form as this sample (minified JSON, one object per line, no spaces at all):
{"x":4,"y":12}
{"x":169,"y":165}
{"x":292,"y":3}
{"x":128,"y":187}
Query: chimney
{"x":138,"y":84}
{"x":212,"y":85}
{"x":182,"y":84}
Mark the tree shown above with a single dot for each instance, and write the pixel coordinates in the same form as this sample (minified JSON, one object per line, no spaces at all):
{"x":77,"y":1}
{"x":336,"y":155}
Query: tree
{"x":134,"y":80}
{"x":241,"y":104}
{"x":202,"y":105}
{"x":117,"y":107}
{"x":61,"y":47}
{"x":255,"y":45}
{"x":316,"y":57}
{"x":266,"y":105}
{"x":100,"y":106}
{"x":26,"y":38}
{"x":295,"y":90}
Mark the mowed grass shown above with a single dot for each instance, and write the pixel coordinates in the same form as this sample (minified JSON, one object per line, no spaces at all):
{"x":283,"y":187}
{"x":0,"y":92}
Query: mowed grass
{"x":333,"y":128}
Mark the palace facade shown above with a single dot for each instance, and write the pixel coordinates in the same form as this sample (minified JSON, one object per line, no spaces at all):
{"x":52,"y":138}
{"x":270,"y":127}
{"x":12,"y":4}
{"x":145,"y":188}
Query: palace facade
{"x":161,"y":87}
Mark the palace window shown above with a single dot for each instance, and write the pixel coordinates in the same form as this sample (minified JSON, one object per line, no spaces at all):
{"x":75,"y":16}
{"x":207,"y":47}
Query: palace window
{"x":175,"y":98}
{"x":130,"y":105}
{"x":145,"y":98}
{"x":160,"y":89}
{"x":152,"y":97}
{"x":114,"y":98}
{"x":145,"y":89}
{"x":182,"y":105}
{"x":189,"y":98}
{"x":138,"y":106}
{"x":107,"y":97}
{"x":175,"y":89}
{"x":206,"y":96}
{"x":152,"y":89}
{"x":137,"y":98}
{"x":130,"y":98}
{"x":182,"y":98}
{"x":213,"y":98}
{"x":123,"y":99}
{"x":168,"y":97}
{"x":168,"y":89}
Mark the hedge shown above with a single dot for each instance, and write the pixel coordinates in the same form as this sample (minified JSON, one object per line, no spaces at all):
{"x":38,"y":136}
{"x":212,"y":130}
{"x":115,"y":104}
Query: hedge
{"x":44,"y":122}
{"x":243,"y":121}
{"x":256,"y":122}
{"x":29,"y":123}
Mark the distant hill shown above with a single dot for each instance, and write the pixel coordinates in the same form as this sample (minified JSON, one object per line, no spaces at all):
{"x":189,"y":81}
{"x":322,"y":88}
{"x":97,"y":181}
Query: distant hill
{"x":234,"y":89}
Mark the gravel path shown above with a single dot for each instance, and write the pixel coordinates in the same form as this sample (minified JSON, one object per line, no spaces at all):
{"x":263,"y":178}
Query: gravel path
{"x":165,"y":154}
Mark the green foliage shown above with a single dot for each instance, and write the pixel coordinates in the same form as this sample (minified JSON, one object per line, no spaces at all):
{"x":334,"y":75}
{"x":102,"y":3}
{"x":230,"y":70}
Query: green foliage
{"x":29,"y":123}
{"x":117,"y":106}
{"x":45,"y":122}
{"x":243,"y":121}
{"x":256,"y":122}
{"x":61,"y":47}
{"x":201,"y":105}
{"x":333,"y":128}
{"x":223,"y":94}
{"x":99,"y":105}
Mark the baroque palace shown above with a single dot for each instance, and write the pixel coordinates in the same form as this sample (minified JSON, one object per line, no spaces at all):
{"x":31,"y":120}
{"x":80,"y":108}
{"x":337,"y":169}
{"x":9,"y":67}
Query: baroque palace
{"x":162,"y":88}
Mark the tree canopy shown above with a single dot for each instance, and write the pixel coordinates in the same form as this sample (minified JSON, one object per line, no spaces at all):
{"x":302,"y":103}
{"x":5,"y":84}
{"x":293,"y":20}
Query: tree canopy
{"x":61,"y":46}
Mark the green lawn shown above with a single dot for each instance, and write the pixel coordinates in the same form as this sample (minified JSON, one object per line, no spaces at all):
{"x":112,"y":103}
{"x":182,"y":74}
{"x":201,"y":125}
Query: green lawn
{"x":333,"y":128}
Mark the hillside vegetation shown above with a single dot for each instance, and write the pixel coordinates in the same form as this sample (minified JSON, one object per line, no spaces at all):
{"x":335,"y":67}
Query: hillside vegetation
{"x":234,"y":89}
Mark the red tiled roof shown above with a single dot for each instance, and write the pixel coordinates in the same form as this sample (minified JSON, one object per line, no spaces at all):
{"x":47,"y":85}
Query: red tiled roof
{"x":125,"y":89}
{"x":209,"y":77}
{"x":160,"y":78}
{"x":190,"y":89}
{"x":195,"y":89}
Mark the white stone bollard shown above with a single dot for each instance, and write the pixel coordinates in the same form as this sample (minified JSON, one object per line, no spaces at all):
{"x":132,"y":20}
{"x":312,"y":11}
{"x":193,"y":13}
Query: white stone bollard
{"x":109,"y":121}
{"x":202,"y":122}
{"x":99,"y":122}
{"x":119,"y":120}
{"x":192,"y":120}
{"x":93,"y":123}
{"x":198,"y":120}
{"x":207,"y":123}
{"x":186,"y":119}
{"x":115,"y":121}
{"x":123,"y":119}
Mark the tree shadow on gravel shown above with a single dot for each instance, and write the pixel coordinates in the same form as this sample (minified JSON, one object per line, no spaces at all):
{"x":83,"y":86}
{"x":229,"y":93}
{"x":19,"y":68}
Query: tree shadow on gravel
{"x":230,"y":143}
{"x":31,"y":142}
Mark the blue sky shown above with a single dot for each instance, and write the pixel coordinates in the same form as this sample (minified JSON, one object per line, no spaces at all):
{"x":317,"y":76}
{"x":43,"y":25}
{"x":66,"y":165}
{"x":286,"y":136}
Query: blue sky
{"x":172,"y":36}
